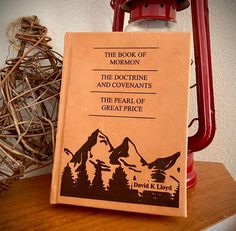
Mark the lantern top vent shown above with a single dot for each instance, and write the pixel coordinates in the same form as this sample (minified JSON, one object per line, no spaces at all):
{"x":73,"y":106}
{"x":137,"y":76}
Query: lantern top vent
{"x":180,"y":4}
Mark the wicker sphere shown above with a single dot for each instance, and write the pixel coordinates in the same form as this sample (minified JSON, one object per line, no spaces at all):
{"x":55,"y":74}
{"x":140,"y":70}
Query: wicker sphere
{"x":29,"y":97}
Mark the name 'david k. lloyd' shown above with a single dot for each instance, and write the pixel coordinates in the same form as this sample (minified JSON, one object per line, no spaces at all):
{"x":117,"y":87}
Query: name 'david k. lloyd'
{"x":152,"y":186}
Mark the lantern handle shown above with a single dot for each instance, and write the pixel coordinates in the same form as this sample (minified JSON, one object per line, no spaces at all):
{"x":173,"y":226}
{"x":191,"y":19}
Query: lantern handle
{"x":119,"y":14}
{"x":205,"y":98}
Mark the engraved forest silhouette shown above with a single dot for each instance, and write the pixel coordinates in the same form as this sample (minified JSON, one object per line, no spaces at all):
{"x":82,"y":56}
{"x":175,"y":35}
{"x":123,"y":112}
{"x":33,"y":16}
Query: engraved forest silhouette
{"x":83,"y":176}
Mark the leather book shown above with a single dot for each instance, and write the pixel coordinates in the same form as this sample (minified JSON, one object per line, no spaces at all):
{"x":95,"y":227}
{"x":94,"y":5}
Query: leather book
{"x":123,"y":117}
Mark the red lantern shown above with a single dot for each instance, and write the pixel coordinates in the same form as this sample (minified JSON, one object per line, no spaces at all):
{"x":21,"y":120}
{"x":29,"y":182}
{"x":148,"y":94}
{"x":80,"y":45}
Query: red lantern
{"x":161,"y":13}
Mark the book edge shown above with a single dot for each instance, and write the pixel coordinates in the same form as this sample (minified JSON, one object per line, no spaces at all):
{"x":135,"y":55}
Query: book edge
{"x":60,"y":127}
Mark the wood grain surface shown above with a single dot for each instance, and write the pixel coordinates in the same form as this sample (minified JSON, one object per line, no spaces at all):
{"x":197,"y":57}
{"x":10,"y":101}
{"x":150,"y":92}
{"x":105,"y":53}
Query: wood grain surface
{"x":26,"y":207}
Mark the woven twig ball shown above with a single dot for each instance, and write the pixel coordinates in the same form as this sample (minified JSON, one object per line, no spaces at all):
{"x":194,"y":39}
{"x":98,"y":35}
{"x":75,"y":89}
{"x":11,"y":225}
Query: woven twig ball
{"x":29,"y":96}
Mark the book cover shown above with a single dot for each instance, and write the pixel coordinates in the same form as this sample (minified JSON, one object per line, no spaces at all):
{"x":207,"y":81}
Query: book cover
{"x":122,"y":133}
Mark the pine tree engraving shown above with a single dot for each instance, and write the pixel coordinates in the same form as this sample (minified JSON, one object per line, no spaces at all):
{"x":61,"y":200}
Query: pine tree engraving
{"x":67,"y":182}
{"x":97,"y":188}
{"x":82,"y":183}
{"x":175,"y":197}
{"x":119,"y":186}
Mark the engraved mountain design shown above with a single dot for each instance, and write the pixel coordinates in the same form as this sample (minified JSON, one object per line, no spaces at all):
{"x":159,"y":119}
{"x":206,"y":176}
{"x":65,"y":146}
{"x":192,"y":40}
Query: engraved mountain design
{"x":101,"y":171}
{"x":81,"y":156}
{"x":127,"y":152}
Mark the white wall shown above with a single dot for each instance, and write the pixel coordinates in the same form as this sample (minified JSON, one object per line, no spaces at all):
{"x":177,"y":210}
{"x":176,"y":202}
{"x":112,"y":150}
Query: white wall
{"x":60,"y":16}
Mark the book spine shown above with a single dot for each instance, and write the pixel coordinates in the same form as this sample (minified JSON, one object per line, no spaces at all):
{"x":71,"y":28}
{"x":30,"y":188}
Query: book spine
{"x":61,"y":117}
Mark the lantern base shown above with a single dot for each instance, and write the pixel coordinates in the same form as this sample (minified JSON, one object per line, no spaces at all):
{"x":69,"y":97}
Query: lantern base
{"x":191,"y":172}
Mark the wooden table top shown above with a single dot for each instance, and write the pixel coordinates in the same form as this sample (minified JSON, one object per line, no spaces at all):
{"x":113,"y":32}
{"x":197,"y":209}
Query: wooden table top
{"x":26,"y":207}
